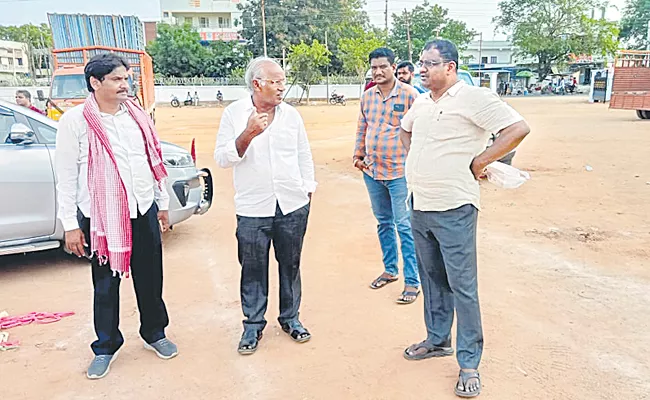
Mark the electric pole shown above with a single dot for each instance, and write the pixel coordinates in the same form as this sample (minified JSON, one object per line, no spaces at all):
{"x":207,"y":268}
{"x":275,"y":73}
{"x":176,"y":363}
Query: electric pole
{"x":408,"y":34}
{"x":386,"y":18}
{"x":480,"y":58}
{"x":264,"y":28}
{"x":327,"y":69}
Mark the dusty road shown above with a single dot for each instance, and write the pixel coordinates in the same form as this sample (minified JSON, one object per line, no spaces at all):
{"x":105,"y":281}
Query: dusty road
{"x":564,"y":282}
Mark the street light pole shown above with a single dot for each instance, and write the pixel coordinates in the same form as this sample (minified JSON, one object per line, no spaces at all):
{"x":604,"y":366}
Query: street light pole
{"x":264,"y":28}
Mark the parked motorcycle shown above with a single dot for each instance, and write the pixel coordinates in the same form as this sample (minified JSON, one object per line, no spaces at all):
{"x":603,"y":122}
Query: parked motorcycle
{"x":337,"y":98}
{"x":175,"y":103}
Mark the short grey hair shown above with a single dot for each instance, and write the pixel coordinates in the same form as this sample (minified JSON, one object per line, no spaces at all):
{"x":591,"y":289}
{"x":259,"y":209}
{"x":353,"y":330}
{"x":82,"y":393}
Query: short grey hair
{"x":254,"y":70}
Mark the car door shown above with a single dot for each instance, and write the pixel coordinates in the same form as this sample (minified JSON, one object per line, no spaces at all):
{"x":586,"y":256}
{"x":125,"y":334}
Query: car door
{"x":27,"y":190}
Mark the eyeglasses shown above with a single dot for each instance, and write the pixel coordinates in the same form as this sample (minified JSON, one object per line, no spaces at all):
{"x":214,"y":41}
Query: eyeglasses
{"x":274,"y":82}
{"x":429,"y":63}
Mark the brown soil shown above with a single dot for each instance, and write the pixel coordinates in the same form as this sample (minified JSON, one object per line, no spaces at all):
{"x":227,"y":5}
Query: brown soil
{"x":564,"y":281}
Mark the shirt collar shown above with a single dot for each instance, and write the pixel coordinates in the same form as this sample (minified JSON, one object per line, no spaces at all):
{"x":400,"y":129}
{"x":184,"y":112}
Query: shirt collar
{"x":119,"y":112}
{"x":393,"y":92}
{"x":452,"y":91}
{"x":250,"y":106}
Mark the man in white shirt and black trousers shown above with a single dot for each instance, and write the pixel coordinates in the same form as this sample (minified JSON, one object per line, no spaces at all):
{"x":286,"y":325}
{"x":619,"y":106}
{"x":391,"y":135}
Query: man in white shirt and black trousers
{"x":265,"y":141}
{"x":113,"y":204}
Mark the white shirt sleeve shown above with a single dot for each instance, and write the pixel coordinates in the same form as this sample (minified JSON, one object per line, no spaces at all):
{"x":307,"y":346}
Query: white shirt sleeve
{"x":305,"y":160}
{"x":161,"y":195}
{"x":491,"y":113}
{"x":225,"y":152}
{"x":66,"y":168}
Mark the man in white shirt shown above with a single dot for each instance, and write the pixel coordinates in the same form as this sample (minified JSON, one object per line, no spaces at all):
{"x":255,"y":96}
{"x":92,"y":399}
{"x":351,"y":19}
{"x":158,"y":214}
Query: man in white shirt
{"x":109,"y":136}
{"x":264,"y":140}
{"x":446,"y":133}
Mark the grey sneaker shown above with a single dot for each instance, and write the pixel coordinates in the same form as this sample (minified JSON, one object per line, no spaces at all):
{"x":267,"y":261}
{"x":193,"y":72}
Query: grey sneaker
{"x":100,"y":365}
{"x":163,"y":348}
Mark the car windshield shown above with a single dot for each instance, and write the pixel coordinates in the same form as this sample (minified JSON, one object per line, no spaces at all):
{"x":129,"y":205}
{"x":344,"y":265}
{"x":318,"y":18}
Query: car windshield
{"x":69,"y":87}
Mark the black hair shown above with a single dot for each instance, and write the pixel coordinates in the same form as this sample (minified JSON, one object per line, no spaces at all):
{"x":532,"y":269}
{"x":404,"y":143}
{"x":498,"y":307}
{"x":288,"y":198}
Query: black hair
{"x":447,"y":49}
{"x":406,"y":64}
{"x":25,"y":94}
{"x":382,"y":52}
{"x":101,"y":65}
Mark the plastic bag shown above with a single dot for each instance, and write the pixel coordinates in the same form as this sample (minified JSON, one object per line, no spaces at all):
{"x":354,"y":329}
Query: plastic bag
{"x":505,"y":176}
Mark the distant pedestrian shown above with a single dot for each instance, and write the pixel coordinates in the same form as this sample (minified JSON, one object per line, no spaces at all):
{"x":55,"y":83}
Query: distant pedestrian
{"x":264,"y":140}
{"x":24,"y":98}
{"x":446,"y":133}
{"x":380,"y":156}
{"x":113,"y":205}
{"x":406,"y":74}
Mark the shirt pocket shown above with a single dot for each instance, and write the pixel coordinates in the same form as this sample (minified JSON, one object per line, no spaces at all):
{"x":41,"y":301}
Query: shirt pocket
{"x":444,"y":126}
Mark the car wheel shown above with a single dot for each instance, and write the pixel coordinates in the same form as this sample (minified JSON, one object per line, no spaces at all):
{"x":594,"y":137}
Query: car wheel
{"x":642,"y":114}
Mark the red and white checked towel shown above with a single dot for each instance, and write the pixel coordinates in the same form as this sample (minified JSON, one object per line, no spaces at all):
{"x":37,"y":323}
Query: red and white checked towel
{"x":111,"y":237}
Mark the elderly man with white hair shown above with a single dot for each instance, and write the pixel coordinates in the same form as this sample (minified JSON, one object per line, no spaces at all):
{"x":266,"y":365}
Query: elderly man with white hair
{"x":264,"y":140}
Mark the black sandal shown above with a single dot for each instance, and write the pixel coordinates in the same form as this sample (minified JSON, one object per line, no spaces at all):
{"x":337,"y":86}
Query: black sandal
{"x":297,"y":332}
{"x":382,"y":281}
{"x":249,"y":342}
{"x":411,"y":353}
{"x":461,"y":386}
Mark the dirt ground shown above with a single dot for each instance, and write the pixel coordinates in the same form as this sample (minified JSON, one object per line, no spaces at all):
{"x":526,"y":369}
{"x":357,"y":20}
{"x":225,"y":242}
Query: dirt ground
{"x":564,"y":282}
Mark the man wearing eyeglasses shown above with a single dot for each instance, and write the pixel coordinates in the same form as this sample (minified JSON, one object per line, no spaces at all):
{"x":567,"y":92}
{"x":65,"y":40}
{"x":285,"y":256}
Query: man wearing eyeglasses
{"x":264,"y":140}
{"x":380,"y":155}
{"x":446,"y":133}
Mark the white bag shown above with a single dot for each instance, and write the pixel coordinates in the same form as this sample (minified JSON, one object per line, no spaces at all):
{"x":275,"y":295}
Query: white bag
{"x":505,"y":176}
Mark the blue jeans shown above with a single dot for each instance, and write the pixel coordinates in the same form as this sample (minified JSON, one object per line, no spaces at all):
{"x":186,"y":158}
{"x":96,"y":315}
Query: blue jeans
{"x":446,"y":248}
{"x":388,"y":200}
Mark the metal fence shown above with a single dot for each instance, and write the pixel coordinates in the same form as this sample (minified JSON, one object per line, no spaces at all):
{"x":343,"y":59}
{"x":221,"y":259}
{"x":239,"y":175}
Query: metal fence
{"x":202,"y":81}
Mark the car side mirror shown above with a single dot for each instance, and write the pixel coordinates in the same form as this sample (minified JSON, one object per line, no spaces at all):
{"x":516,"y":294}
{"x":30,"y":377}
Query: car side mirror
{"x":21,"y":134}
{"x":41,"y":96}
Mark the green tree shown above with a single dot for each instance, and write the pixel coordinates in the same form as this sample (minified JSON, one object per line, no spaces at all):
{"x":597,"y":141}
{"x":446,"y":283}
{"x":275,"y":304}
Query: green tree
{"x":426,"y":22}
{"x":551,"y":30}
{"x":177,"y":51}
{"x":356,"y":49}
{"x":306,"y":62}
{"x":36,"y":36}
{"x":289,"y":22}
{"x":225,"y":57}
{"x":634,"y":23}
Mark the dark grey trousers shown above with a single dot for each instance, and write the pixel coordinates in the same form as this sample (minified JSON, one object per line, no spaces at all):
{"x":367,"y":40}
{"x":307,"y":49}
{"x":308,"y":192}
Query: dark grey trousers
{"x":254,"y":238}
{"x":445,"y":244}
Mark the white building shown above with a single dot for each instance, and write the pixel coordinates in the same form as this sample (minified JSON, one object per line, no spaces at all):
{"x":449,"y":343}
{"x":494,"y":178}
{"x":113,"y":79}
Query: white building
{"x":213,"y":19}
{"x":14,"y":62}
{"x":489,"y":53}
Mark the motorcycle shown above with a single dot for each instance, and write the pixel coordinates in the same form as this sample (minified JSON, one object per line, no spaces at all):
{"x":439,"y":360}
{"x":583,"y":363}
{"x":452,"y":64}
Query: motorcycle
{"x":337,"y":98}
{"x":175,"y":103}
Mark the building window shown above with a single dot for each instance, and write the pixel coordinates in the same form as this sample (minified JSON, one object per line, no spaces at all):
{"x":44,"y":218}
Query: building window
{"x":19,"y":61}
{"x":204,"y":22}
{"x":166,"y":14}
{"x":484,"y":60}
{"x":11,"y":61}
{"x":224,"y":22}
{"x":493,"y":60}
{"x":188,"y":20}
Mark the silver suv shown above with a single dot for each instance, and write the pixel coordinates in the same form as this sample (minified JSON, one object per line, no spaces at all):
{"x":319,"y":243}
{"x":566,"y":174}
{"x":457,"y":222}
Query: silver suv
{"x":28,"y":201}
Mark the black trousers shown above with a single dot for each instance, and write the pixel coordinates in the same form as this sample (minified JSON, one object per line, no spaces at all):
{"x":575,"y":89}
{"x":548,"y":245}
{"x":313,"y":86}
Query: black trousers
{"x":254,"y":238}
{"x":146,"y":271}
